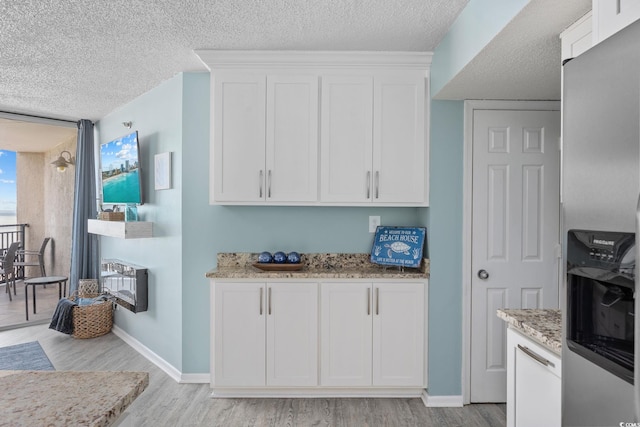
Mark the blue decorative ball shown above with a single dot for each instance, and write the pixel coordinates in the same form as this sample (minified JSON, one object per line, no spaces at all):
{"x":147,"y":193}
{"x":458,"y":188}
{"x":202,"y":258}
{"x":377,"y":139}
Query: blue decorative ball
{"x":293,"y":258}
{"x":265,"y":257}
{"x":279,"y":258}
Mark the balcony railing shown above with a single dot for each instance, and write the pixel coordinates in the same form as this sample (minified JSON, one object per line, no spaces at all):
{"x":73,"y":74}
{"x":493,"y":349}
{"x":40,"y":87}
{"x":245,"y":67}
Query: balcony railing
{"x":10,"y":233}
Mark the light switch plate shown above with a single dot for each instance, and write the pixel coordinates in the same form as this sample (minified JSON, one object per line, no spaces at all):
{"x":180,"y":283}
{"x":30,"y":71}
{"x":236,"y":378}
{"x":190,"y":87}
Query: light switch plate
{"x":374,"y":222}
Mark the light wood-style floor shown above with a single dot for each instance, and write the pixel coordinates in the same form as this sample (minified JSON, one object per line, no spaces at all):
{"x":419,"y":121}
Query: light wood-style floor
{"x":167,"y":403}
{"x":12,"y":312}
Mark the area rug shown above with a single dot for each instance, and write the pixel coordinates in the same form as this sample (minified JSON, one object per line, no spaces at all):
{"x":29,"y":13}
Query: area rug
{"x":25,"y":357}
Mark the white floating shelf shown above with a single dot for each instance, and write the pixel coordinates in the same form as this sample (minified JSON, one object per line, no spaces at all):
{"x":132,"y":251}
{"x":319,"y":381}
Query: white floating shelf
{"x":121,"y":229}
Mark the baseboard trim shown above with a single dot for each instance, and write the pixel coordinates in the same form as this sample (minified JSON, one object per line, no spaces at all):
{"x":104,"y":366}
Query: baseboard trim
{"x":454,"y":401}
{"x":195,"y":378}
{"x":152,"y":357}
{"x":314,"y":392}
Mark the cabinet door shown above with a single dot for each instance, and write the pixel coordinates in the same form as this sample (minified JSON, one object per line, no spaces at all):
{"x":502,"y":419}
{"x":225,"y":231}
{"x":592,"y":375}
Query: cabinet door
{"x":238,"y":335}
{"x":292,"y":139}
{"x":346,"y":139}
{"x":345,"y":334}
{"x":292,"y":334}
{"x":534,"y":395}
{"x":400,"y":148}
{"x":612,"y":16}
{"x":398,"y":334}
{"x":238,"y":151}
{"x":537,"y":394}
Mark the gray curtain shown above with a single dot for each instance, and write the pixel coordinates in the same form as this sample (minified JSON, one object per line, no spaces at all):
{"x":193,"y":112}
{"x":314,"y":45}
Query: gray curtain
{"x":84,"y":246}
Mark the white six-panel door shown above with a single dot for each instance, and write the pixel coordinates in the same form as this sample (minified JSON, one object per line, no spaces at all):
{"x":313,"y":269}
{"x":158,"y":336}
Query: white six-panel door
{"x":515,"y":232}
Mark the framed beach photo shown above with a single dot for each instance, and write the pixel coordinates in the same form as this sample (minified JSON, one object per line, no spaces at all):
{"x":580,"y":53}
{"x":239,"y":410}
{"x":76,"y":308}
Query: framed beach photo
{"x":162,"y":171}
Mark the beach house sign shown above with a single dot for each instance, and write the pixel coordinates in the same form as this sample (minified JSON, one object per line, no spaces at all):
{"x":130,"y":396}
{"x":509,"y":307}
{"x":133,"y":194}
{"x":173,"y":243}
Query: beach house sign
{"x":399,"y":246}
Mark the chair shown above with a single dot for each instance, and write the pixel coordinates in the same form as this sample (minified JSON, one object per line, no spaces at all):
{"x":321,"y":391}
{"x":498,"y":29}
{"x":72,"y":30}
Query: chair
{"x":7,"y":270}
{"x":28,"y":258}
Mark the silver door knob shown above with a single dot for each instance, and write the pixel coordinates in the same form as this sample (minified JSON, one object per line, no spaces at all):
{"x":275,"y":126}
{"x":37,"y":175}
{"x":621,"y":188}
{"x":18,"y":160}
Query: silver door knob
{"x":482,"y":274}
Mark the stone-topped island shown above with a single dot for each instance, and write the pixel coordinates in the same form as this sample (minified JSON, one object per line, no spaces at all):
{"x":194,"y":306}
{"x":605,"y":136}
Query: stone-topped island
{"x":67,"y":398}
{"x":534,"y":366}
{"x":543,"y":326}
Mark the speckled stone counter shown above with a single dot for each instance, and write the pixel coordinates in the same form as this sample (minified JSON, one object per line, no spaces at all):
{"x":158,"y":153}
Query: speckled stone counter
{"x":543,"y":326}
{"x":64,"y":398}
{"x":315,"y":266}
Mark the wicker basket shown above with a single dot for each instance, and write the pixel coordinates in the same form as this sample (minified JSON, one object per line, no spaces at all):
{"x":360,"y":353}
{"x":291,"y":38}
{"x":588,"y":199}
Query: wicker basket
{"x":90,"y":321}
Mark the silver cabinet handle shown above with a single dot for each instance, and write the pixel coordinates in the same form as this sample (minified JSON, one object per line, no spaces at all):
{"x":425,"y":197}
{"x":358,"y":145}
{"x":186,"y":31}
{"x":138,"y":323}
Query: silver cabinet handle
{"x":368,"y":184}
{"x":377,"y":184}
{"x":269,"y":184}
{"x":535,"y":356}
{"x":269,"y":300}
{"x":261,"y":301}
{"x":377,"y":301}
{"x":368,"y":301}
{"x":261,"y":179}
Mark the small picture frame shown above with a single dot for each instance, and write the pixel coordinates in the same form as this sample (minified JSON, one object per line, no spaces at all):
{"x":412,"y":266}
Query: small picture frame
{"x":162,"y":171}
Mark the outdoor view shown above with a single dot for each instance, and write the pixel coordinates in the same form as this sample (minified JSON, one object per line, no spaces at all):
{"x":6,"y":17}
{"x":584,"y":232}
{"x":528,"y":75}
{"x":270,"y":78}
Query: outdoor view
{"x":7,"y":187}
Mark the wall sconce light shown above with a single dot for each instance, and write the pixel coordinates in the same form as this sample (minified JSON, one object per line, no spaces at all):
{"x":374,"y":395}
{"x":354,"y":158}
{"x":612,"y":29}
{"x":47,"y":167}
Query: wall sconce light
{"x":127,"y":124}
{"x":63,"y":163}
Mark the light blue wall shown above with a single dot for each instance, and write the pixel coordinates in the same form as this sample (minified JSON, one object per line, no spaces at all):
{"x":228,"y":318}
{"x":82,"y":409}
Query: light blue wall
{"x":445,"y":239}
{"x":476,"y":25}
{"x":157,"y":115}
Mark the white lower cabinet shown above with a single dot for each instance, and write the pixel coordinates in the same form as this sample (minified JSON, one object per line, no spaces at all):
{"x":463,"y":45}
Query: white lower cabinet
{"x":346,"y":334}
{"x":332,"y":337}
{"x":398,"y":334}
{"x":265,"y":334}
{"x":534,"y":395}
{"x":372,"y":334}
{"x":292,"y":334}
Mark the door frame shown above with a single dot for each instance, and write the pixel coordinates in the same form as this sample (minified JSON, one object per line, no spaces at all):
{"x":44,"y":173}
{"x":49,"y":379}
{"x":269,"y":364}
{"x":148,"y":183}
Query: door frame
{"x":467,"y":209}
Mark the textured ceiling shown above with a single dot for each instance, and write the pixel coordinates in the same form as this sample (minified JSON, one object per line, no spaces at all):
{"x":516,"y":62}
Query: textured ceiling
{"x":523,"y":60}
{"x":72,"y":59}
{"x":83,"y":59}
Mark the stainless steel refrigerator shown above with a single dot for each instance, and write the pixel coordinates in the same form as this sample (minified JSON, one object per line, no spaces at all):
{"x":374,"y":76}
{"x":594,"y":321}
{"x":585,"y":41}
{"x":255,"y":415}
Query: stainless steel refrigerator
{"x":601,"y":186}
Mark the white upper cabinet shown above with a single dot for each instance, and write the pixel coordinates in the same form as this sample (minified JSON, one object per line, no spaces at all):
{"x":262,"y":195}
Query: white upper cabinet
{"x":610,"y":16}
{"x":265,"y":137}
{"x":373,"y":142}
{"x":319,"y":128}
{"x":399,"y":149}
{"x":292,"y":138}
{"x":577,"y":38}
{"x":347,"y":138}
{"x":238,"y":149}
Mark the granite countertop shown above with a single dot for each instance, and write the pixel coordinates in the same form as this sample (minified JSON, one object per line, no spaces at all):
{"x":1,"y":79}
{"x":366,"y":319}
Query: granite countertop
{"x":65,"y":398}
{"x":544,"y":326}
{"x":315,"y":266}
